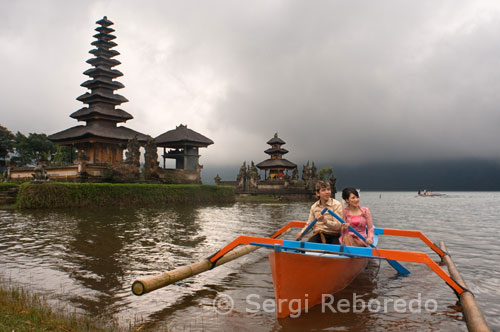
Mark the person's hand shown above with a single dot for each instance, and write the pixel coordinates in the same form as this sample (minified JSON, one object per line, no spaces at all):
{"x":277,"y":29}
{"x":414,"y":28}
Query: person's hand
{"x":320,"y":217}
{"x":369,"y":241}
{"x":344,"y":227}
{"x":297,"y":237}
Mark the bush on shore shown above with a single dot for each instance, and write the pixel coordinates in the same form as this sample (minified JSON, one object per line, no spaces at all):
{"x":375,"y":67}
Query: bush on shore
{"x":59,"y":195}
{"x":6,"y":186}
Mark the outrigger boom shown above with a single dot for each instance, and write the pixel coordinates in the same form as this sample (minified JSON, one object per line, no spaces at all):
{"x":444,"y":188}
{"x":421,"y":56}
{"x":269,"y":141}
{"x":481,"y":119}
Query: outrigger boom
{"x":365,"y":252}
{"x":337,"y":264}
{"x":229,"y":252}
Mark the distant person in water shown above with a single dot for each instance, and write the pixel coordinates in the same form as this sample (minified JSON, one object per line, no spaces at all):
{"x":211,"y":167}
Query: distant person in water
{"x":358,"y":217}
{"x":327,"y":228}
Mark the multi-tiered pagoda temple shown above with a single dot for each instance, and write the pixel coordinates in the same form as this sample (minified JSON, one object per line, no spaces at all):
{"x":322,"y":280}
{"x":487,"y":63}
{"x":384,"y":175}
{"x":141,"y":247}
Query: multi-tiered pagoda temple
{"x":100,"y":140}
{"x":276,"y":165}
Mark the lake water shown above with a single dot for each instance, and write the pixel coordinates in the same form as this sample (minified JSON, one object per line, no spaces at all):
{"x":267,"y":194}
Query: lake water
{"x":87,"y":260}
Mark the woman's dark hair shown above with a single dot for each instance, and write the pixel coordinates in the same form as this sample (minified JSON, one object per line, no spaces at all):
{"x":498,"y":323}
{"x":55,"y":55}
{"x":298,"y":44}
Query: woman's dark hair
{"x":348,"y":191}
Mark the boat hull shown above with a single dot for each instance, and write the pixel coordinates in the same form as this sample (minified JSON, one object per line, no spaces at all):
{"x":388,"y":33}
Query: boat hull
{"x":430,"y":195}
{"x":302,"y":280}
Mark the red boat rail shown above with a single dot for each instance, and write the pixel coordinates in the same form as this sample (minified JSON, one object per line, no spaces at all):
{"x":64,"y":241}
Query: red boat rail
{"x":415,"y":234}
{"x":236,"y":242}
{"x":291,"y":224}
{"x":385,"y":231}
{"x":398,"y":255}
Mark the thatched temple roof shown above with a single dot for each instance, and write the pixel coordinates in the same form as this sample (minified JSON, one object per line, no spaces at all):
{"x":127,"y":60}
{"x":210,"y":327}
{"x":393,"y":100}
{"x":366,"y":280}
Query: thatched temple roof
{"x":181,"y":136}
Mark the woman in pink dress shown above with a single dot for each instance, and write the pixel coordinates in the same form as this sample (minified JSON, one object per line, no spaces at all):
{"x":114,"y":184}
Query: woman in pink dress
{"x":358,"y":217}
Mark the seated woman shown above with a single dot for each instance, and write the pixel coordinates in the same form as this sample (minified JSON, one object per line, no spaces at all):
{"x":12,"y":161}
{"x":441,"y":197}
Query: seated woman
{"x":358,"y":217}
{"x":327,"y":227}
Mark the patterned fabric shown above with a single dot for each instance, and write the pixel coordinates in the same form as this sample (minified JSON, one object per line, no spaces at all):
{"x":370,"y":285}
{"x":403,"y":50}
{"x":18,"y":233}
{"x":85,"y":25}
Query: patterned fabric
{"x":362,"y":223}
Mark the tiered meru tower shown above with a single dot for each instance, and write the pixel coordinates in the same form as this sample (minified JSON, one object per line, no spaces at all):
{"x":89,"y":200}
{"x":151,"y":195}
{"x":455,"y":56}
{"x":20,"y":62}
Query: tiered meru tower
{"x":100,"y":140}
{"x":276,"y":165}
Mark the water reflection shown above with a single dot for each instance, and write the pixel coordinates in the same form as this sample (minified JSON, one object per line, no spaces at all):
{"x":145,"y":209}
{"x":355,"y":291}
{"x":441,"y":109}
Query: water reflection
{"x":338,"y":311}
{"x":95,"y":252}
{"x":88,"y":258}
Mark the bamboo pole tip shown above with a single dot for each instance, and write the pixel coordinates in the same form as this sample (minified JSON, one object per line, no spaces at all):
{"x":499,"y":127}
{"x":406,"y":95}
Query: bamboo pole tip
{"x":138,"y":288}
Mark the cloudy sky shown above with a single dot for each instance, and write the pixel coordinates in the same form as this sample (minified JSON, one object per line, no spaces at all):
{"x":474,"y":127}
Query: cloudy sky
{"x":342,"y":82}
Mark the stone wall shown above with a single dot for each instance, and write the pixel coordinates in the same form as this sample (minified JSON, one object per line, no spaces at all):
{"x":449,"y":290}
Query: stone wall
{"x":54,"y":172}
{"x":179,"y":176}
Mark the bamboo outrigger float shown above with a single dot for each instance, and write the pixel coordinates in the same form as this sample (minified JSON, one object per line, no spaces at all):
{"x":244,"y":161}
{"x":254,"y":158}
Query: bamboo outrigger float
{"x":295,"y":266}
{"x":472,"y":314}
{"x":148,"y":284}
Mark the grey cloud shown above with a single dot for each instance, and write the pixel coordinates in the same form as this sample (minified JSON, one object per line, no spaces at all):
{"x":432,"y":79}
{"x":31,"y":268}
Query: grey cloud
{"x":350,"y":81}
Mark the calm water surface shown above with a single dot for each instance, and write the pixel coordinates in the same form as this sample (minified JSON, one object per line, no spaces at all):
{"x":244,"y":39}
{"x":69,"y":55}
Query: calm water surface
{"x":87,"y":260}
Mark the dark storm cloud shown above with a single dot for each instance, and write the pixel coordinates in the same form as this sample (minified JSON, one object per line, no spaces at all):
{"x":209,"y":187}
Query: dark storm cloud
{"x":346,"y":82}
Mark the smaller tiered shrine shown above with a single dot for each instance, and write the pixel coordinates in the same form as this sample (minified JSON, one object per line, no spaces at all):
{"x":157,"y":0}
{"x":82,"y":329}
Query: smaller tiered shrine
{"x":276,"y":167}
{"x":183,"y":144}
{"x":277,"y":182}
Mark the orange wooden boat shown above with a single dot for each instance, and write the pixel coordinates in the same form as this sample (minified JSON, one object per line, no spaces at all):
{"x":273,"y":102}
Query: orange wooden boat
{"x":303,"y":272}
{"x":301,"y":280}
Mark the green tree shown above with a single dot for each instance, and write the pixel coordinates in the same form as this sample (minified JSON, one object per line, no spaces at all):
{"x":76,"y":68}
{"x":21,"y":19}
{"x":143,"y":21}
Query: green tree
{"x":34,"y":148}
{"x":7,"y":140}
{"x":63,"y":155}
{"x":325,"y":174}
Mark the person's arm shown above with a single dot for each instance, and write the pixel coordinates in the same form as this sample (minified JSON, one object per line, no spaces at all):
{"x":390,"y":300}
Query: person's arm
{"x":369,"y":226}
{"x":340,"y":212}
{"x":345,"y":216}
{"x":332,"y":222}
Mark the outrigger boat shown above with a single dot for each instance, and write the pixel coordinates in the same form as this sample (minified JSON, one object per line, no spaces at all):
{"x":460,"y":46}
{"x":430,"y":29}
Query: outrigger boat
{"x":302,"y":271}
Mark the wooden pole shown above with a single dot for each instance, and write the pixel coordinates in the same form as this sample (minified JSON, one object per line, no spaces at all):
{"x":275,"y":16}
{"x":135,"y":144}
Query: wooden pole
{"x":148,"y":284}
{"x":473,"y":316}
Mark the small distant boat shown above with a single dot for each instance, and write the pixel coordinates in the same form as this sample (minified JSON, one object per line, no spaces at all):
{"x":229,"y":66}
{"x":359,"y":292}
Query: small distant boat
{"x":429,"y":194}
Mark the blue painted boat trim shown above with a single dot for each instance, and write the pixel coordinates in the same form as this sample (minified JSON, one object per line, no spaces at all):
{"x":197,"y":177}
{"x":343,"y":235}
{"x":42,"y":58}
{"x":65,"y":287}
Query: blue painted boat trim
{"x":333,"y":248}
{"x":280,"y":248}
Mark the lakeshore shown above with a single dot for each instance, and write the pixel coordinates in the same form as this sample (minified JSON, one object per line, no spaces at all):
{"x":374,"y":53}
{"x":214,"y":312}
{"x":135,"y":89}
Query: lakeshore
{"x":20,"y":310}
{"x":66,"y":195}
{"x":69,"y":195}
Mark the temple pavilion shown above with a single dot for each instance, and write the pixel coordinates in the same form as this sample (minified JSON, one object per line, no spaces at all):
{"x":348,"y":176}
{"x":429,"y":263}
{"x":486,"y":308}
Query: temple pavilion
{"x":183,"y":144}
{"x":100,"y":140}
{"x":276,"y":165}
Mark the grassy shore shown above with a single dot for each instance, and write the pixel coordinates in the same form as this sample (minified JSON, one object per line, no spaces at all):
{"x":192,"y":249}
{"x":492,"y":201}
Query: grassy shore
{"x":270,"y":199}
{"x":62,"y":195}
{"x":22,"y":311}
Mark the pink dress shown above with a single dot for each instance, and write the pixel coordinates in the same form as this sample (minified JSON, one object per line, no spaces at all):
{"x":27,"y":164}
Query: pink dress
{"x":362,"y":223}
